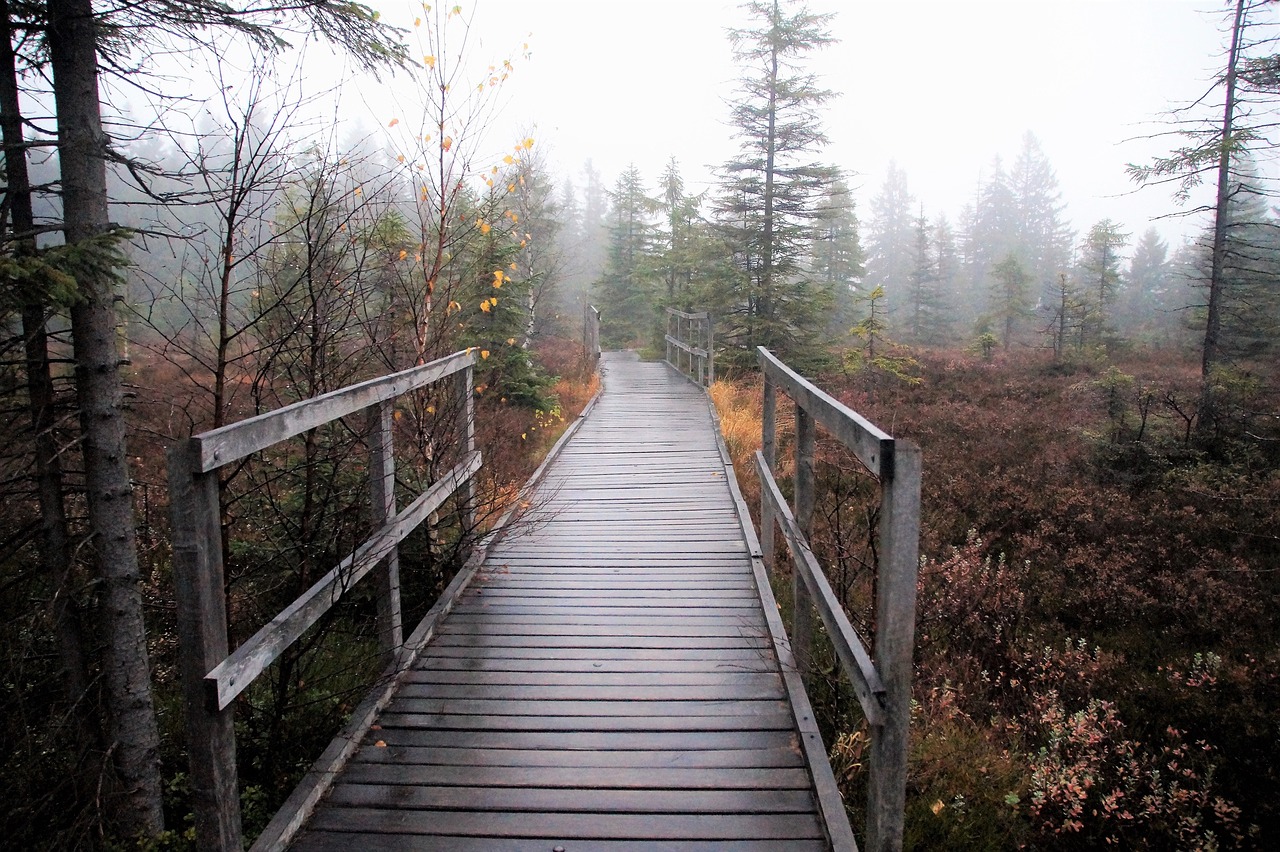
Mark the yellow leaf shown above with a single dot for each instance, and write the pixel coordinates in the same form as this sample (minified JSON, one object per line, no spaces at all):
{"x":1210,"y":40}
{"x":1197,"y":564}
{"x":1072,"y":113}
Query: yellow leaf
{"x":524,"y":436}
{"x":417,"y":22}
{"x":485,"y":227}
{"x":447,"y":143}
{"x":511,"y":187}
{"x":454,"y":306}
{"x":484,"y":353}
{"x":484,"y":306}
{"x":400,"y":158}
{"x":381,"y":744}
{"x":937,"y":807}
{"x":359,"y":191}
{"x":403,"y":254}
{"x":528,"y":143}
{"x":394,"y":122}
{"x":508,"y":159}
{"x":511,"y":341}
{"x":429,"y":61}
{"x":494,"y":301}
{"x":431,"y":409}
{"x":514,"y":267}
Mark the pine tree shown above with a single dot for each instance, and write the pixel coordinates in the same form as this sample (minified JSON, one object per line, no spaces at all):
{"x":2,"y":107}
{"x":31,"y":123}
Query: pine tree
{"x":1146,"y":285}
{"x":926,"y":315}
{"x":770,"y":192}
{"x":1099,"y":276}
{"x":837,"y":257}
{"x":1010,"y":296}
{"x":994,"y":233}
{"x":1040,"y":233}
{"x":890,"y":239}
{"x":625,"y":293}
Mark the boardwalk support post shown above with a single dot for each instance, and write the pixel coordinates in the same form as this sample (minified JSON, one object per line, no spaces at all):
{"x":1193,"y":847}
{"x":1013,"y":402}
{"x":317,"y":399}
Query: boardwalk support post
{"x":802,"y":615}
{"x":591,"y":334}
{"x":382,"y":499}
{"x":895,"y":642}
{"x":202,"y":633}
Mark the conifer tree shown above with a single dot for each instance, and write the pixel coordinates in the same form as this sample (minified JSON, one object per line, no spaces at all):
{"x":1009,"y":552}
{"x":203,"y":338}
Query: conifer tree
{"x":770,"y":192}
{"x":837,"y":258}
{"x":625,"y":291}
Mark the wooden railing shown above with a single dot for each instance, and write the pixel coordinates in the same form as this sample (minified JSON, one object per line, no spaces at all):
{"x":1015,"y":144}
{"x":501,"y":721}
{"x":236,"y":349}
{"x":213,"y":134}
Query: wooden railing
{"x":213,"y":677}
{"x":691,"y":345}
{"x":882,"y":685}
{"x":591,"y":334}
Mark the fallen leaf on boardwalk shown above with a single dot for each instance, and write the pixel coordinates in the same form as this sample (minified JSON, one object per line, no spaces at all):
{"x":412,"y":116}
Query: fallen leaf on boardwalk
{"x":381,"y":744}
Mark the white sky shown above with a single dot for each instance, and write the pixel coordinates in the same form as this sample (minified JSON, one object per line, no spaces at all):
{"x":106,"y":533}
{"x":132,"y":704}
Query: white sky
{"x":940,"y":86}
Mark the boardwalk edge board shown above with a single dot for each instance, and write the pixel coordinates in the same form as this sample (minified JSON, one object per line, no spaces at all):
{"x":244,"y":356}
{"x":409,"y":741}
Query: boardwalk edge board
{"x":835,"y":817}
{"x":297,"y":809}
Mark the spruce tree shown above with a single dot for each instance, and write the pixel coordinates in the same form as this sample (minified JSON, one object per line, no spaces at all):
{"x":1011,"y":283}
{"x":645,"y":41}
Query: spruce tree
{"x":770,"y":191}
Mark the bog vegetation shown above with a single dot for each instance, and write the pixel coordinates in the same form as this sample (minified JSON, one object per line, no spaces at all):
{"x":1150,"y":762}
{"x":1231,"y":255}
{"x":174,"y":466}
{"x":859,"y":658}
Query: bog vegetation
{"x":1099,"y":410}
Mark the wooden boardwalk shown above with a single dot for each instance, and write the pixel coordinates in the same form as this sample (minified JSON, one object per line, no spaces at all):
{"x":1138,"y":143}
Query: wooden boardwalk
{"x":608,"y":681}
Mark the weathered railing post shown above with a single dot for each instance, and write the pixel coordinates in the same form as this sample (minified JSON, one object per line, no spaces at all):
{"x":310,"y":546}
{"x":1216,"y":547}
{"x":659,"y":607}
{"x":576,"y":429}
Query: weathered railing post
{"x":195,"y":515}
{"x":591,"y":333}
{"x":894,"y":645}
{"x":769,"y":448}
{"x":467,"y":433}
{"x":802,"y":616}
{"x":382,"y":497}
{"x":711,"y":351}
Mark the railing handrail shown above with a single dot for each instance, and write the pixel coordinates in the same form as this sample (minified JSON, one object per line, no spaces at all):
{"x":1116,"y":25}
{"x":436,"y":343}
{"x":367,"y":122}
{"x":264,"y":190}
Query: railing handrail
{"x":212,"y":676}
{"x":692,"y":329}
{"x":883,"y":687}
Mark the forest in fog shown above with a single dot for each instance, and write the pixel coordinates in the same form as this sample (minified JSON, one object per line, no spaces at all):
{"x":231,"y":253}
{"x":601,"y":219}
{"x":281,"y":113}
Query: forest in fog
{"x":1098,"y":402}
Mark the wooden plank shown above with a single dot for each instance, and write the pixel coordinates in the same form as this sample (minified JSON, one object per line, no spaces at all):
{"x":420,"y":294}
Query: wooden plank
{"x":593,"y":692}
{"x":230,"y":443}
{"x":234,"y":674}
{"x":689,"y":708}
{"x":490,"y":824}
{"x":341,"y":842}
{"x":753,"y":722}
{"x":554,"y":777}
{"x":595,"y":677}
{"x":580,"y":758}
{"x":580,"y":740}
{"x":571,"y":799}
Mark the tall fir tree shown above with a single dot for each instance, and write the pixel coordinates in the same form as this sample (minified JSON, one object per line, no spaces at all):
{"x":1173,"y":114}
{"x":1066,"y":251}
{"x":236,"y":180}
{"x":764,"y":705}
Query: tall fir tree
{"x":1146,"y":287}
{"x":1099,"y":278}
{"x":771,"y":190}
{"x":625,"y":292}
{"x":1040,"y":231}
{"x":838,"y":261}
{"x":890,"y":239}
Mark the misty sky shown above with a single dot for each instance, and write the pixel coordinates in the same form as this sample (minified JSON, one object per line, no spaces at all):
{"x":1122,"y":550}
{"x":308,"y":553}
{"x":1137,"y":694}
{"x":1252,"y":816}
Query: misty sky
{"x":939,"y":86}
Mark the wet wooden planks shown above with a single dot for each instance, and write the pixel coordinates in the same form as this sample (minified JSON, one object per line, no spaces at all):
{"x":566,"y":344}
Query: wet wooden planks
{"x":607,"y":682}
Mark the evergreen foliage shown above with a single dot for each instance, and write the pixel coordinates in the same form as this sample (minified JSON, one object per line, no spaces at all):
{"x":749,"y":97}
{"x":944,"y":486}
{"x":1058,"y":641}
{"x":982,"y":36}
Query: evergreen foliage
{"x":770,"y":192}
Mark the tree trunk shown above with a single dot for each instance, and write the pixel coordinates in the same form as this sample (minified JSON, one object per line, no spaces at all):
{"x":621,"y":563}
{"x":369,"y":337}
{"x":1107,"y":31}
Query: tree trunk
{"x":1211,"y":356}
{"x":134,"y":738}
{"x":55,"y":539}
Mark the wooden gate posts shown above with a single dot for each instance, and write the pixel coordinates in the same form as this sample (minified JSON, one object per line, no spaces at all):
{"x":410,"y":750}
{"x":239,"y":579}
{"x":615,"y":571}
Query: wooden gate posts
{"x":883,"y":687}
{"x":212,"y":678}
